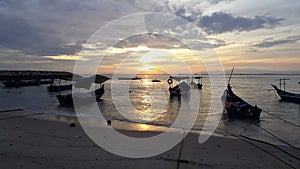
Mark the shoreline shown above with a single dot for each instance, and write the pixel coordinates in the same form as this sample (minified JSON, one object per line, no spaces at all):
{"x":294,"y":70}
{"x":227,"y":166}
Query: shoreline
{"x":33,"y":142}
{"x":123,"y":125}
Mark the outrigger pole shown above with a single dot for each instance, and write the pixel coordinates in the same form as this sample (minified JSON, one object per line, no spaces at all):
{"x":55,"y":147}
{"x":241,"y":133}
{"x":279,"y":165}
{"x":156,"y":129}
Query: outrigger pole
{"x":282,"y":82}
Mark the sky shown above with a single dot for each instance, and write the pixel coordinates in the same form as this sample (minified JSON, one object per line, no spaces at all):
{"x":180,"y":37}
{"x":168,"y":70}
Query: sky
{"x":130,"y":36}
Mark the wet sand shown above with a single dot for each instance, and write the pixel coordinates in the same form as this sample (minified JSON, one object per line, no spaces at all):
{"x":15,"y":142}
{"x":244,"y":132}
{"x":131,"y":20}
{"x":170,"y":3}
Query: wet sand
{"x":29,"y":141}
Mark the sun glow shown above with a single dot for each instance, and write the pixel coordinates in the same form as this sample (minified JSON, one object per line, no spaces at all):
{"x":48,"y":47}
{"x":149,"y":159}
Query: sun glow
{"x":148,"y":58}
{"x":148,"y":68}
{"x":65,"y":57}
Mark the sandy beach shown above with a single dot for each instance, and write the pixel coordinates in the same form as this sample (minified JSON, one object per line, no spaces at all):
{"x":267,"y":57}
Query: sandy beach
{"x":29,"y":141}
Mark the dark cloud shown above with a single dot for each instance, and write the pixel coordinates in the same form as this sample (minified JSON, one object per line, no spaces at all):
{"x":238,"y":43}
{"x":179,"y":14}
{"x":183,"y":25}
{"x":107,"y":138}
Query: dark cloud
{"x":33,"y":39}
{"x":220,"y":22}
{"x":217,"y":22}
{"x":54,"y":27}
{"x":188,"y":14}
{"x":270,"y":42}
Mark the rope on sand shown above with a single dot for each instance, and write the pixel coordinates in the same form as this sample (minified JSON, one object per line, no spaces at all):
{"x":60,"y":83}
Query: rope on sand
{"x":297,"y":148}
{"x":264,"y":142}
{"x":26,"y":115}
{"x":179,"y":156}
{"x":244,"y":139}
{"x":282,"y":119}
{"x":9,"y":110}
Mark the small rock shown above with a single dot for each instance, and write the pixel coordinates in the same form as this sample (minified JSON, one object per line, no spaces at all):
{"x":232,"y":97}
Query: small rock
{"x":72,"y":125}
{"x":109,"y":122}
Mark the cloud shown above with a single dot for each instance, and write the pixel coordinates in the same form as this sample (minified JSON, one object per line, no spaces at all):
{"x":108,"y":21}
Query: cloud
{"x":270,"y":42}
{"x":150,"y":40}
{"x":219,"y":42}
{"x":52,"y":33}
{"x":19,"y":34}
{"x":15,"y":59}
{"x":220,"y":22}
{"x":46,"y":28}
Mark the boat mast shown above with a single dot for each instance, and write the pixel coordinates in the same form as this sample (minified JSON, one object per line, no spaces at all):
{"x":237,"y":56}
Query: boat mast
{"x":230,"y":75}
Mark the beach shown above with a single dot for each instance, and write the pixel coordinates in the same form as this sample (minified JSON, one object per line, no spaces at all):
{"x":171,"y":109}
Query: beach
{"x":33,"y":140}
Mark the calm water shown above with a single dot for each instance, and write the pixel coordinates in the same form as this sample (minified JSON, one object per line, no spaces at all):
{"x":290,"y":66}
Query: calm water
{"x":151,"y":105}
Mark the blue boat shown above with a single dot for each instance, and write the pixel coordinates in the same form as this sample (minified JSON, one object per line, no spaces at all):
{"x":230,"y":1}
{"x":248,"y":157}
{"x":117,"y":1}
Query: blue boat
{"x":236,"y":107}
{"x":287,"y":96}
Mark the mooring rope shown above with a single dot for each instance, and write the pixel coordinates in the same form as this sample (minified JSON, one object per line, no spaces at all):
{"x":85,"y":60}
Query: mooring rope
{"x":10,"y":110}
{"x":264,"y":142}
{"x":244,"y":139}
{"x":180,"y":151}
{"x":278,"y":138}
{"x":281,"y":119}
{"x":26,"y":115}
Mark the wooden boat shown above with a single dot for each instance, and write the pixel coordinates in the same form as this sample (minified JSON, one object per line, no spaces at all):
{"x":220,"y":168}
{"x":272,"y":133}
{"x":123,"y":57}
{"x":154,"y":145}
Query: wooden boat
{"x":199,"y":84}
{"x":46,"y":81}
{"x":54,"y":88}
{"x":236,"y":107}
{"x":182,"y":89}
{"x":287,"y":96}
{"x":84,"y":98}
{"x":156,"y":80}
{"x":67,"y":100}
{"x":59,"y":87}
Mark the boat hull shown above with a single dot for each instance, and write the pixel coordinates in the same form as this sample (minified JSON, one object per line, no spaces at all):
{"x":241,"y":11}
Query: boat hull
{"x":248,"y":112}
{"x":287,"y":96}
{"x":238,"y":108}
{"x":183,"y":89}
{"x":53,"y":88}
{"x":67,"y":100}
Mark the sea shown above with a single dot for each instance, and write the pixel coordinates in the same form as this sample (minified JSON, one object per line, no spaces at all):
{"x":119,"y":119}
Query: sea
{"x":149,"y":104}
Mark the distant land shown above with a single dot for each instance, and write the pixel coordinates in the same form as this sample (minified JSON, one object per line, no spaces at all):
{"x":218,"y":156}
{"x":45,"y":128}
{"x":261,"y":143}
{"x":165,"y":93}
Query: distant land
{"x":33,"y":74}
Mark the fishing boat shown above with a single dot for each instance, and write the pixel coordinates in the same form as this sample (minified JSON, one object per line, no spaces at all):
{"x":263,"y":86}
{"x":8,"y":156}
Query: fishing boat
{"x":46,"y":81}
{"x":67,"y":99}
{"x":198,"y":85}
{"x":83,"y":98}
{"x":284,"y":95}
{"x":181,"y":89}
{"x":156,"y":80}
{"x":54,"y":88}
{"x":58,"y":87}
{"x":236,"y":107}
